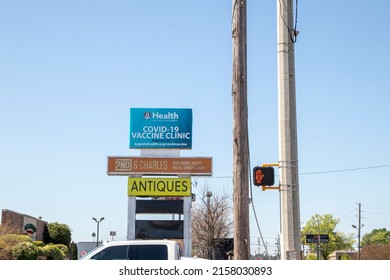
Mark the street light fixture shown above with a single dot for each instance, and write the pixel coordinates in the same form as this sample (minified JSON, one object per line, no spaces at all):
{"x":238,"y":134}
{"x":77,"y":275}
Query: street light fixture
{"x":98,"y":222}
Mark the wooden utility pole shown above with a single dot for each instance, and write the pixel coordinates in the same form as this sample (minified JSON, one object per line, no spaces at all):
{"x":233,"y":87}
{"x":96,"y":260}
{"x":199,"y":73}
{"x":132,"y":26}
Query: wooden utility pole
{"x":359,"y":227}
{"x":290,"y":238}
{"x":240,"y":134}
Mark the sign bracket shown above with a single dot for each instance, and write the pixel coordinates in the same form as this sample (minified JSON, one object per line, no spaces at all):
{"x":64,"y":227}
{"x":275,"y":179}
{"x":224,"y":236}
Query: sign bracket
{"x":266,"y":188}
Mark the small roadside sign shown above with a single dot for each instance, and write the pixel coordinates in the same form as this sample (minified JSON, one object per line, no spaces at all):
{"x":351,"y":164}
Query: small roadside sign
{"x":317,"y":238}
{"x":199,"y":166}
{"x":156,"y":187}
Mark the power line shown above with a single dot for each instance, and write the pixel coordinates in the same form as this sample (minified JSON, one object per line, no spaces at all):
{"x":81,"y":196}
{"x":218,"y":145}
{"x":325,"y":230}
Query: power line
{"x":345,"y":170}
{"x":293,"y":33}
{"x":322,"y":172}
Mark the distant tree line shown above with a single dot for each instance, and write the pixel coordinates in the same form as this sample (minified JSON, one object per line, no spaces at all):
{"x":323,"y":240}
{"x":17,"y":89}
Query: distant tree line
{"x":374,"y":245}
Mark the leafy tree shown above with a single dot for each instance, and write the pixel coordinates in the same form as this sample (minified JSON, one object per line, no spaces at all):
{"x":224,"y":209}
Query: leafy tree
{"x":58,"y":234}
{"x":73,"y":253}
{"x":25,"y":251}
{"x":376,"y":237}
{"x":326,"y":224}
{"x":211,"y":222}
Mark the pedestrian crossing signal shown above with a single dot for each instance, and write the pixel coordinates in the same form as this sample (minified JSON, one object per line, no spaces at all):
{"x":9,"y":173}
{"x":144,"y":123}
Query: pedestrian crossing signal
{"x":263,"y":176}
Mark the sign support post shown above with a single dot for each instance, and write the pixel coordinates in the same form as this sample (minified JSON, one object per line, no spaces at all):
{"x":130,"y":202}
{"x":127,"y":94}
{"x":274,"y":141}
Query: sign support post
{"x":131,"y":217}
{"x":187,"y":226}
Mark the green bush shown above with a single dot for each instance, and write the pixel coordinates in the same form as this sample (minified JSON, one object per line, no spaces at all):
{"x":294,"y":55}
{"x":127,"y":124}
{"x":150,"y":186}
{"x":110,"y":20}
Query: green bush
{"x":13,"y":239}
{"x":64,"y":249}
{"x":39,"y":243}
{"x":41,"y":251}
{"x":8,"y":242}
{"x":345,"y":257}
{"x":53,"y":252}
{"x":25,"y":251}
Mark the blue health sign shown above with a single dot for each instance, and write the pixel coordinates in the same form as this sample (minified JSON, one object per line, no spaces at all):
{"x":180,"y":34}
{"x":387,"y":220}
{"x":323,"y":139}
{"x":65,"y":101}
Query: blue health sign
{"x":160,"y":128}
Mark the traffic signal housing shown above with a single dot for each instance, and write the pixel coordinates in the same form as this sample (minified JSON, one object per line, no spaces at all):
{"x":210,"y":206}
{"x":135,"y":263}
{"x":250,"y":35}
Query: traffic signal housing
{"x":263,"y":176}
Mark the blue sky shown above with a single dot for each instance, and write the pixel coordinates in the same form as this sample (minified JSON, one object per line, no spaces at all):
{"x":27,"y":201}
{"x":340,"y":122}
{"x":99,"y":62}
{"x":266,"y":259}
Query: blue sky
{"x":70,"y":71}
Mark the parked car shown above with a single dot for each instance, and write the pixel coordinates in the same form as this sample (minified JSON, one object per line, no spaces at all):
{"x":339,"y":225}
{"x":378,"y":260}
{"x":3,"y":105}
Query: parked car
{"x":136,"y":250}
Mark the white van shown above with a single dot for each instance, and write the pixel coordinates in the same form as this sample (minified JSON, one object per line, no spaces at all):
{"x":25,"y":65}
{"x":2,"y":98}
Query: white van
{"x":136,"y":250}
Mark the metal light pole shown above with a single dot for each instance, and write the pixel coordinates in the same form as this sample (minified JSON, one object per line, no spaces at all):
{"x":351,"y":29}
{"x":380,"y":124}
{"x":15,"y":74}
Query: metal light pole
{"x":208,"y":195}
{"x":97,"y":230}
{"x":290,"y":237}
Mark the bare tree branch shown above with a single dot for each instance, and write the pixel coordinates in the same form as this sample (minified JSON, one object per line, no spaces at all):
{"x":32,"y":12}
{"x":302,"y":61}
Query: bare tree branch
{"x":211,"y":221}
